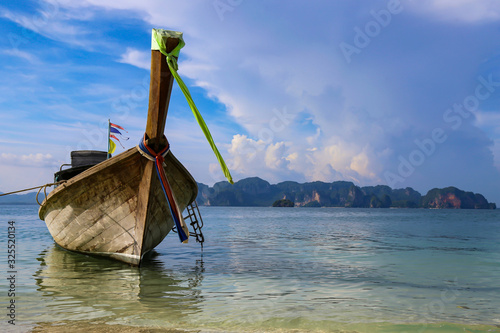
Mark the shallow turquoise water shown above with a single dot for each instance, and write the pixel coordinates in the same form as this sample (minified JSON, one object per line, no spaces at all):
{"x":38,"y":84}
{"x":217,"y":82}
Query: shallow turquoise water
{"x":275,"y":269}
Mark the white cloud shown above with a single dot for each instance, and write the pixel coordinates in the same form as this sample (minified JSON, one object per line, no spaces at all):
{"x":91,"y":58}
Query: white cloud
{"x":21,"y":54}
{"x":31,"y":160}
{"x":487,"y":120}
{"x":490,"y":123}
{"x":339,"y":161}
{"x":361,"y":116}
{"x":248,"y":157}
{"x":496,"y":153}
{"x":470,"y":11}
{"x":136,"y":58}
{"x":362,"y":119}
{"x":50,"y":23}
{"x":14,"y":178}
{"x":274,"y":158}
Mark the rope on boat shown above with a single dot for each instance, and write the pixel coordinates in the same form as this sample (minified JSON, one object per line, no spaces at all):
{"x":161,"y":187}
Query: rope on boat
{"x":158,"y":159}
{"x":44,"y":187}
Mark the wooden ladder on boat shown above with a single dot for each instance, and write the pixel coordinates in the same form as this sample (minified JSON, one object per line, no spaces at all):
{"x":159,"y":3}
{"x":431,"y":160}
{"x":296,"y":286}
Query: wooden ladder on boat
{"x":196,"y":222}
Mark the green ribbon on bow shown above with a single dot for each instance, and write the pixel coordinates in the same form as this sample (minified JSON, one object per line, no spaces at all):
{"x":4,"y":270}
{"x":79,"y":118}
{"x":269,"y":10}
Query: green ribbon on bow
{"x":172,"y":64}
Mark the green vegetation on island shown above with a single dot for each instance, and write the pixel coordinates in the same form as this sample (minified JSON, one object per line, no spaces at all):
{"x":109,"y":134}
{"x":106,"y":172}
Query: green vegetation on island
{"x":312,"y":204}
{"x":452,"y":197}
{"x":283,"y":203}
{"x":258,"y":192}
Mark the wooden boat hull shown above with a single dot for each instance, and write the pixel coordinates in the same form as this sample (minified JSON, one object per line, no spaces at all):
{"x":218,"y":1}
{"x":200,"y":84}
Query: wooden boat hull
{"x":117,"y":208}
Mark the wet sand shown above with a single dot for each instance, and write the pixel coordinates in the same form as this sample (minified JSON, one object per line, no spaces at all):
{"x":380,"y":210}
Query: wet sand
{"x":92,"y":326}
{"x":85,"y":327}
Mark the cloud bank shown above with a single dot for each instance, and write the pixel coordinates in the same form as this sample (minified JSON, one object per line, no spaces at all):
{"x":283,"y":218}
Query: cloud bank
{"x":365,"y":91}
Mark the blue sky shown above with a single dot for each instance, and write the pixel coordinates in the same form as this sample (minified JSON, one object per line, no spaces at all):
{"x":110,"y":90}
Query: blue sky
{"x":403,"y":93}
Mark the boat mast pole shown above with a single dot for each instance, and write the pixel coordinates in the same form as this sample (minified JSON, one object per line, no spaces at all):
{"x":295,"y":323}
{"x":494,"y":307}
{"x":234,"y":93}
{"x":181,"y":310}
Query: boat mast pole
{"x":160,"y":89}
{"x":109,"y":133}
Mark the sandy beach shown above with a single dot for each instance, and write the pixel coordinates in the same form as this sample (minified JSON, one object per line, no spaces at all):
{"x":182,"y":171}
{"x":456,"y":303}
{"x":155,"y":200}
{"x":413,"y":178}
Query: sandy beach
{"x":81,"y":327}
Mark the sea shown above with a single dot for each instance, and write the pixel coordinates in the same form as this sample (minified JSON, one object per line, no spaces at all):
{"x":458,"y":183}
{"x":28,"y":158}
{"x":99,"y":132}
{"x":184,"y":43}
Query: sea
{"x":266,"y":270}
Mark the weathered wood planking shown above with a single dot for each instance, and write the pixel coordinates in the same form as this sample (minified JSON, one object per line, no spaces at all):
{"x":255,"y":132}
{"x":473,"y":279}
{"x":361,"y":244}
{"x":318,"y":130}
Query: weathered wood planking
{"x":98,"y":211}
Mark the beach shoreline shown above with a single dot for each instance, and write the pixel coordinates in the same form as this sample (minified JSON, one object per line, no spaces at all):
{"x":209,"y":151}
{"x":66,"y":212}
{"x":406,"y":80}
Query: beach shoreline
{"x":92,"y":326}
{"x":102,"y":327}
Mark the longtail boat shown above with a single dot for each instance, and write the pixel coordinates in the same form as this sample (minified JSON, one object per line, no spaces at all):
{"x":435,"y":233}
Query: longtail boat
{"x":124,"y":206}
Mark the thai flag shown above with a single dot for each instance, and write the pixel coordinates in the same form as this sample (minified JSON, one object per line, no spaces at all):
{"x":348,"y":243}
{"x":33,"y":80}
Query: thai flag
{"x":112,"y":136}
{"x":113,"y":128}
{"x":116,"y":126}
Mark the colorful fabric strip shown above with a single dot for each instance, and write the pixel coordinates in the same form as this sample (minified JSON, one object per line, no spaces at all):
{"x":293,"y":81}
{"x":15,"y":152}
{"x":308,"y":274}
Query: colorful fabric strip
{"x":114,"y":130}
{"x":175,"y":212}
{"x":172,"y":65}
{"x":112,"y":147}
{"x":116,"y":126}
{"x":112,"y":136}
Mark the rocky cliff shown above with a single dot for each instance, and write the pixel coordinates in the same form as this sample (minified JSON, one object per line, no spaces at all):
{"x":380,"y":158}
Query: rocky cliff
{"x":258,"y":192}
{"x":452,"y":197}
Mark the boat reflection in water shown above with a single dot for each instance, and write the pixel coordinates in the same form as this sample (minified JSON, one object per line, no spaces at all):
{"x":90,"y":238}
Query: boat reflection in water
{"x":77,"y":287}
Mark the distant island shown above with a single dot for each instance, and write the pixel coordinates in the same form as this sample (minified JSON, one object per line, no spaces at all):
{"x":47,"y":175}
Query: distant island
{"x":258,"y":192}
{"x":283,"y":203}
{"x":255,"y":191}
{"x":20,"y":199}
